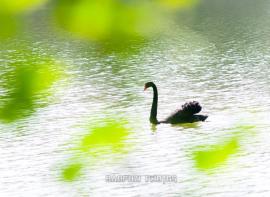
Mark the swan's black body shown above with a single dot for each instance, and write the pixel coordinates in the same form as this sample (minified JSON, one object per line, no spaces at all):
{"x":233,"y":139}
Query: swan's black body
{"x":184,"y":115}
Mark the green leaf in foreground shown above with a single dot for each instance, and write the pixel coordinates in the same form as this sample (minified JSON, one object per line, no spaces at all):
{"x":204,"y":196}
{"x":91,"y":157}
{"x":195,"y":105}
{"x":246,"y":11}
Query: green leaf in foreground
{"x":27,"y":85}
{"x":101,"y":140}
{"x":214,"y":156}
{"x":72,"y":171}
{"x":109,"y":136}
{"x":208,"y":157}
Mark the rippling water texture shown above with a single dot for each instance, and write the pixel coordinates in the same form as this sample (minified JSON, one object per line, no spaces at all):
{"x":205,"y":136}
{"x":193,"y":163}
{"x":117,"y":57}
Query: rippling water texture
{"x":217,"y":54}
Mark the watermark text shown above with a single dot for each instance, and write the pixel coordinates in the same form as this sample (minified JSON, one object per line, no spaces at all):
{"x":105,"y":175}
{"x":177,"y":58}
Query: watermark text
{"x":117,"y":178}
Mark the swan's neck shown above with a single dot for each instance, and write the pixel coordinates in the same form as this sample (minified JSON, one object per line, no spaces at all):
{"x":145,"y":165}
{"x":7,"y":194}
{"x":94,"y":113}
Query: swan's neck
{"x":153,"y":115}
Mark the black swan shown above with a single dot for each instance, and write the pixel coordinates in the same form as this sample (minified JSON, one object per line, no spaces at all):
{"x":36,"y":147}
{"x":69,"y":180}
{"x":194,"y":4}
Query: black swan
{"x":184,"y":115}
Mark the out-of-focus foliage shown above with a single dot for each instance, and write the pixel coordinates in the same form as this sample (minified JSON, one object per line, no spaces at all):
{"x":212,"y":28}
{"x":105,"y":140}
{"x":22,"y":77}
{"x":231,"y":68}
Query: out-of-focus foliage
{"x":10,"y":15}
{"x":207,"y":157}
{"x":26,"y":86}
{"x":110,"y":20}
{"x":101,"y":20}
{"x":18,"y":6}
{"x":105,"y":139}
{"x":215,"y":155}
{"x":72,"y":171}
{"x":8,"y":25}
{"x":177,"y":4}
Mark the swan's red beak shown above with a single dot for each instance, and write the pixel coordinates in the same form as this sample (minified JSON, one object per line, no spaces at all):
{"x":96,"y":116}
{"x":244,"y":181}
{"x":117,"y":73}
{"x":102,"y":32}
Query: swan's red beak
{"x":144,"y":88}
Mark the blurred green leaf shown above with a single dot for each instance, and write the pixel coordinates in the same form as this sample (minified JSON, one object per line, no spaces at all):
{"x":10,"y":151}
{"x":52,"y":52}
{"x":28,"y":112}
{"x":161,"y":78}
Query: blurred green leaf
{"x":103,"y":20}
{"x":8,"y":24}
{"x":17,"y":6}
{"x":207,"y":157}
{"x":26,"y":85}
{"x":72,"y":172}
{"x":104,"y":139}
{"x":214,"y":156}
{"x":177,"y":4}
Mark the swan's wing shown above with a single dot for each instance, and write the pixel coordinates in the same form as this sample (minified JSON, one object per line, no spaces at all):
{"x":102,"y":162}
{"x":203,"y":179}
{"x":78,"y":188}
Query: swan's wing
{"x":187,"y":110}
{"x":191,"y":108}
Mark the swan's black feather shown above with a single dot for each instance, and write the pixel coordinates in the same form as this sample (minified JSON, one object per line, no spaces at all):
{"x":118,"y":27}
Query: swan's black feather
{"x":190,"y":108}
{"x":185,"y":113}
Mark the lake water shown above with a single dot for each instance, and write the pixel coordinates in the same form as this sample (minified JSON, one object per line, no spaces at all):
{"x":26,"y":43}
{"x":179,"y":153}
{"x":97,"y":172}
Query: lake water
{"x":218,"y":54}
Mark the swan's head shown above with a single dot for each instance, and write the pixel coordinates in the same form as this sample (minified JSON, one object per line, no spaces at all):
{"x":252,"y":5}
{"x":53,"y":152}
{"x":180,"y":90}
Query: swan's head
{"x":148,"y":84}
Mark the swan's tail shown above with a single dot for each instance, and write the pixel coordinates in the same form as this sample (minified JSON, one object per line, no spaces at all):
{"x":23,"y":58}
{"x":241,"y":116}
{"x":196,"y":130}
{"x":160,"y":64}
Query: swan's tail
{"x":191,"y":108}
